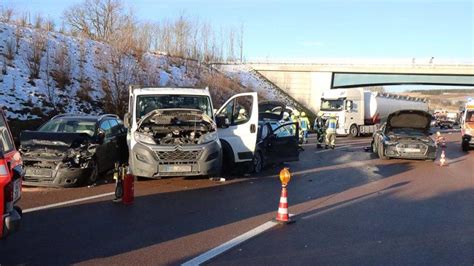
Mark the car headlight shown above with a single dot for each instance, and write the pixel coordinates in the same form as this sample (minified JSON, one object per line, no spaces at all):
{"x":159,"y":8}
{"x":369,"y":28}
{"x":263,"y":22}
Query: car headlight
{"x":212,"y":136}
{"x":144,"y":138}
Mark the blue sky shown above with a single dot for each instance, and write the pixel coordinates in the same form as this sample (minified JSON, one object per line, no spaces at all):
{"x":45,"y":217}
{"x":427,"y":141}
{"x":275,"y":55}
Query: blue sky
{"x":277,"y":29}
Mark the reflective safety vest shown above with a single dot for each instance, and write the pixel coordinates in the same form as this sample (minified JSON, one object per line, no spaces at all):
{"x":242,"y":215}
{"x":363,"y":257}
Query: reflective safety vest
{"x":304,"y":122}
{"x":331,"y":124}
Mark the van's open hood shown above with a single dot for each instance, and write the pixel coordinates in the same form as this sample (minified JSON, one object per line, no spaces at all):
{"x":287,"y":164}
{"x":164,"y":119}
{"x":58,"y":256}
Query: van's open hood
{"x":56,"y":140}
{"x":174,"y":117}
{"x":414,"y":119}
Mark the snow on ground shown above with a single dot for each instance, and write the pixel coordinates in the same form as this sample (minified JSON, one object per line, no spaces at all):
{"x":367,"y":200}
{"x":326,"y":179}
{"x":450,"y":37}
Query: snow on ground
{"x":249,"y":78}
{"x":91,"y":68}
{"x":24,"y":98}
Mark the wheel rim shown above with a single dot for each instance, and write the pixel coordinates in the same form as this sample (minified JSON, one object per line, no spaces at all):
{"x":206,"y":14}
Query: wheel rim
{"x":353,"y":131}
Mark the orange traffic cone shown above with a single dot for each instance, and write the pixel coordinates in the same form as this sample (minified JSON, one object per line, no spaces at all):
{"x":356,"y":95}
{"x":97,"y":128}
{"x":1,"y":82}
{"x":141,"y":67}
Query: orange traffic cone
{"x":282,"y":215}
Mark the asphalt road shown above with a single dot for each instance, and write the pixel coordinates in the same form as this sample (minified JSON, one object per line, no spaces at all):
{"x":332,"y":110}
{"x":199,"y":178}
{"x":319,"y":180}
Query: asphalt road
{"x":350,"y":208}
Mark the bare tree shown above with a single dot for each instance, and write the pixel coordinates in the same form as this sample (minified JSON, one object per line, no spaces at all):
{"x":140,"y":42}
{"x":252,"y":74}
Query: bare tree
{"x":24,"y":19}
{"x":7,"y":14}
{"x":18,"y":36}
{"x":62,"y":72}
{"x":98,"y":19}
{"x":123,"y":73}
{"x":39,"y":20}
{"x":10,"y":49}
{"x":49,"y":24}
{"x":35,"y":54}
{"x":241,"y":42}
{"x":50,"y":88}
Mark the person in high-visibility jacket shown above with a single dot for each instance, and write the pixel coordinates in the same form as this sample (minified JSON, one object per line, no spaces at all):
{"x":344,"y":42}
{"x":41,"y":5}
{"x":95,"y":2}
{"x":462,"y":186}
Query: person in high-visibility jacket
{"x":320,"y":128}
{"x":331,"y":125}
{"x":296,"y":119}
{"x":305,"y":126}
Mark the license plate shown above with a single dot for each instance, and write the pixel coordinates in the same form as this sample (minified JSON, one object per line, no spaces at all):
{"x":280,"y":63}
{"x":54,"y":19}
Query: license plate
{"x":16,"y":190}
{"x":38,"y":172}
{"x":411,"y":150}
{"x":175,"y":168}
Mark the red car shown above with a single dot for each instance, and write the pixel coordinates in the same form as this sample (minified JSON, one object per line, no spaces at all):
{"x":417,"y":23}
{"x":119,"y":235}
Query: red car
{"x":11,"y":175}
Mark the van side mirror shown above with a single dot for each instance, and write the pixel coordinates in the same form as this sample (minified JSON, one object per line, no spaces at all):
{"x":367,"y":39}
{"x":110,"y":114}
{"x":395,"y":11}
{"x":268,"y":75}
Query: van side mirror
{"x":222,"y":121}
{"x":126,"y":120}
{"x":348,"y":105}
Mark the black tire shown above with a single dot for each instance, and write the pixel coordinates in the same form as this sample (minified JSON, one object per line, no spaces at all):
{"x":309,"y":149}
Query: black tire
{"x":258,"y":162}
{"x":381,"y":152}
{"x":94,"y":174}
{"x":374,"y":149}
{"x":228,"y":163}
{"x":354,"y":131}
{"x":465,"y":146}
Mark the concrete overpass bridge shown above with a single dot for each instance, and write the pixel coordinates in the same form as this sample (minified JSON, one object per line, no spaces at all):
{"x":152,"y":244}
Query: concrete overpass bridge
{"x":305,"y":82}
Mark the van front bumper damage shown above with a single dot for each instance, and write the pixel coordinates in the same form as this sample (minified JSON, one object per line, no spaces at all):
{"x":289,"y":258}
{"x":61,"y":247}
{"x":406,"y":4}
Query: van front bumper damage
{"x":156,"y":161}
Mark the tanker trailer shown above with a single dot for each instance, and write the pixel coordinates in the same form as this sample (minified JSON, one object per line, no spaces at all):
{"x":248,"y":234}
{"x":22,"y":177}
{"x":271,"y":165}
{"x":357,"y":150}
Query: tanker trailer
{"x":360,"y":112}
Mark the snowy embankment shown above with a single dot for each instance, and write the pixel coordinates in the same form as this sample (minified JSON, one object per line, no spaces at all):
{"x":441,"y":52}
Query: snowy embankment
{"x":43,"y":73}
{"x":252,"y":80}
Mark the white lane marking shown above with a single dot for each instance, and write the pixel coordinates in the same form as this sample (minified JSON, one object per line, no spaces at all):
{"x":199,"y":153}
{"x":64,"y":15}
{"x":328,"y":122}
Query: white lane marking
{"x":230,"y":244}
{"x":67,"y":202}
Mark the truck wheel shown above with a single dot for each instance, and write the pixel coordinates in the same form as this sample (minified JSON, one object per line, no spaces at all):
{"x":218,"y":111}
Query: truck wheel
{"x":381,"y":152}
{"x":465,"y":145}
{"x":257,"y":162}
{"x":354,"y":131}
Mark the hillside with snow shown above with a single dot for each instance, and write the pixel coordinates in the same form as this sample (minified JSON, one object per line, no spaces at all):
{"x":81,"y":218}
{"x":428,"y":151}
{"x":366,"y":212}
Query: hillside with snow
{"x":44,"y":73}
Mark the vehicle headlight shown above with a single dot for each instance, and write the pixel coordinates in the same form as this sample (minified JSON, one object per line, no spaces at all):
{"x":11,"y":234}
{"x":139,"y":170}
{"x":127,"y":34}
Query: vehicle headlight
{"x":212,"y":136}
{"x":467,"y":132}
{"x":144,"y":138}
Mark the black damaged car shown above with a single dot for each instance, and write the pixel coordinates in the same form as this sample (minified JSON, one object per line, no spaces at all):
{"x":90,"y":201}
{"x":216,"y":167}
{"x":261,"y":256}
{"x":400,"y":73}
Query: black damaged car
{"x":71,"y":150}
{"x":406,"y":134}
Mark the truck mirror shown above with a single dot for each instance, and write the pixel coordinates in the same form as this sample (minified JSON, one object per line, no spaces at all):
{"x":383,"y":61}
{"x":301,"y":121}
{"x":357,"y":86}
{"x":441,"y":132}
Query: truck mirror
{"x":222,"y":121}
{"x":348,"y":105}
{"x":126,"y":120}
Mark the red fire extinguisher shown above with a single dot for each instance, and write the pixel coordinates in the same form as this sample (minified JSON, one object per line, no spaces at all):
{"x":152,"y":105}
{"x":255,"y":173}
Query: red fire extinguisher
{"x":128,"y":186}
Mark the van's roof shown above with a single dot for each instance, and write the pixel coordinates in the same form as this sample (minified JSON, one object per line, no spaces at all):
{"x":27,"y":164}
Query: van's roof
{"x":169,"y":90}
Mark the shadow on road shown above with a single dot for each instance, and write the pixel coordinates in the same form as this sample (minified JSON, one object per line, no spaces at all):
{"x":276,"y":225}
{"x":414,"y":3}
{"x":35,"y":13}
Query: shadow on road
{"x":80,"y":233}
{"x":373,"y":229}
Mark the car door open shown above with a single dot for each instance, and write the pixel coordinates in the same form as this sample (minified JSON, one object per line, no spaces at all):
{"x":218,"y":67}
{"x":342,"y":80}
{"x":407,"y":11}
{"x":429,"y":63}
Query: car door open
{"x":237,"y":122}
{"x":283,"y":143}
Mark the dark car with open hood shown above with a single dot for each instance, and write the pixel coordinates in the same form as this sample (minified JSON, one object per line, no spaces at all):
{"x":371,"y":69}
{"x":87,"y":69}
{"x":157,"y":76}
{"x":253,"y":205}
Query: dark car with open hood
{"x":406,"y":134}
{"x":70,"y":150}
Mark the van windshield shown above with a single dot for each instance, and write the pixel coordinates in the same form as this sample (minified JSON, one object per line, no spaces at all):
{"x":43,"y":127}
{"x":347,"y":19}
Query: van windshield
{"x":148,"y":103}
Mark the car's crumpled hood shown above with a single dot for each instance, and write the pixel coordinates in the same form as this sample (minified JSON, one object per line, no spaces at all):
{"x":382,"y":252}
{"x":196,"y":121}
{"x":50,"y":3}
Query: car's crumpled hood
{"x":52,"y":140}
{"x":174,"y":116}
{"x":414,"y":119}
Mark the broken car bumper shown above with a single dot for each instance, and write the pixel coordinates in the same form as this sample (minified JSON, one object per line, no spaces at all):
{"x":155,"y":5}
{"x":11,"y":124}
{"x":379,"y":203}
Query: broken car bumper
{"x":62,"y":177}
{"x":157,"y":161}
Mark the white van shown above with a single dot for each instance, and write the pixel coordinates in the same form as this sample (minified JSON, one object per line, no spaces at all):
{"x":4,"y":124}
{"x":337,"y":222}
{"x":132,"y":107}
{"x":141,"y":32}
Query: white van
{"x":174,"y":132}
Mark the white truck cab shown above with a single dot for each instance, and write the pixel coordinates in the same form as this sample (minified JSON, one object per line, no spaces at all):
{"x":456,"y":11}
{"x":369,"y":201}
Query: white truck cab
{"x":173,"y":131}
